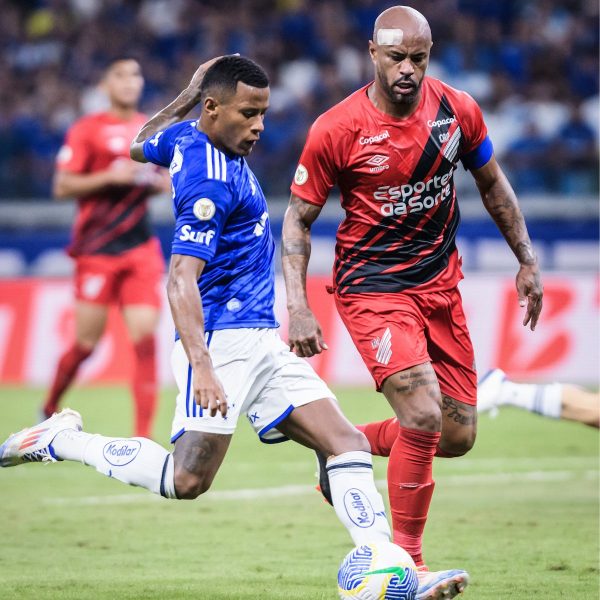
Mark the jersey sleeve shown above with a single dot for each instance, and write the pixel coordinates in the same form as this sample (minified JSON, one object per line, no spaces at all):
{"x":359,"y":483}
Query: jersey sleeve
{"x":477,"y":147}
{"x":201,"y":213}
{"x":319,"y":165}
{"x":160,"y":147}
{"x":75,"y":154}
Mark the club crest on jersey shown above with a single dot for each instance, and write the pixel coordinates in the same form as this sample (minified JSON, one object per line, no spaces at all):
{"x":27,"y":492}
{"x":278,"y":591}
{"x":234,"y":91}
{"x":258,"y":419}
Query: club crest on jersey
{"x":204,"y":209}
{"x":301,"y":176}
{"x":378,"y":163}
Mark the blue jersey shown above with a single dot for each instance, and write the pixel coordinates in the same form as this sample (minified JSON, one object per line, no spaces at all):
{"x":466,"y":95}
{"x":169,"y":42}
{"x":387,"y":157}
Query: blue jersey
{"x":221,"y":216}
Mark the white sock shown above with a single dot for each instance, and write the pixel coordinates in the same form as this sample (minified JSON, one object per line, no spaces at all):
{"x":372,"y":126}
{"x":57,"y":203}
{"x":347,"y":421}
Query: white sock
{"x":135,"y":461}
{"x":544,"y":399}
{"x":358,"y":504}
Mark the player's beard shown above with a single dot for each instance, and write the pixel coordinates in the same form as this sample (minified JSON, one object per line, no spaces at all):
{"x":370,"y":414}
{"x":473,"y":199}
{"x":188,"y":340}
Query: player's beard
{"x":400,"y":99}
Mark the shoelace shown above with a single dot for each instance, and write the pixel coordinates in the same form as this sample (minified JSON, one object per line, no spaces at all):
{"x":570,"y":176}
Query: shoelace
{"x":41,"y":455}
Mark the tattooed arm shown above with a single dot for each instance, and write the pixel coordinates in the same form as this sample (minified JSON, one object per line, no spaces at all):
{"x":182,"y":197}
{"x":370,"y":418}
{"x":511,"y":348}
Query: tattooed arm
{"x":173,"y":113}
{"x":305,"y":336}
{"x":501,"y":202}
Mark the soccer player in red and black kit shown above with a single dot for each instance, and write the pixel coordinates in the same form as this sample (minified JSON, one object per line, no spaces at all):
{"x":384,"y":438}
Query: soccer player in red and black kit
{"x":117,"y":260}
{"x":392,"y":148}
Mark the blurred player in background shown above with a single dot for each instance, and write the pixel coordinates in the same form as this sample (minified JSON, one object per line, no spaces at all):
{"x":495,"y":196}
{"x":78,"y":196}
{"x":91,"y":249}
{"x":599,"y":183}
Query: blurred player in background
{"x":554,"y":400}
{"x":392,"y":148}
{"x":229,"y":360}
{"x":117,"y":260}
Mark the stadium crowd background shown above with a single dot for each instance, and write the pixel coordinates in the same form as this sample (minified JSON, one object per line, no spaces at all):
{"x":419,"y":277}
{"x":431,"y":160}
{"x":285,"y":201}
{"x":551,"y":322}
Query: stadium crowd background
{"x":532,"y":65}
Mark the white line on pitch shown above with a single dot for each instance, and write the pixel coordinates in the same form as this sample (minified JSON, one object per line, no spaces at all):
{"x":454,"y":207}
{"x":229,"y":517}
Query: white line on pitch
{"x":295,"y":490}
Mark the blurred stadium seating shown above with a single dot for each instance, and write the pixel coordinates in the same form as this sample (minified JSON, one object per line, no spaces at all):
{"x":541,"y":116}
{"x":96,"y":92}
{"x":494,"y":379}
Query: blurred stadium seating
{"x":532,"y":65}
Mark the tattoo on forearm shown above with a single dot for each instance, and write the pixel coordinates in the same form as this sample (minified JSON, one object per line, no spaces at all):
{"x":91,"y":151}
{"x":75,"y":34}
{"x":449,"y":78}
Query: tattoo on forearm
{"x":460,"y":413}
{"x":503,"y":206}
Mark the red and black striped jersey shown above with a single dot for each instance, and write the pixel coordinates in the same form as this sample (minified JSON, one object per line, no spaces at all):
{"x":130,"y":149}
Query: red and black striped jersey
{"x":115,"y":219}
{"x":396,"y":178}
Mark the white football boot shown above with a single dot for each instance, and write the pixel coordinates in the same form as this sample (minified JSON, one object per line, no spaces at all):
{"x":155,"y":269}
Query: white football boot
{"x":34,"y":444}
{"x":489,"y":392}
{"x":440,"y":585}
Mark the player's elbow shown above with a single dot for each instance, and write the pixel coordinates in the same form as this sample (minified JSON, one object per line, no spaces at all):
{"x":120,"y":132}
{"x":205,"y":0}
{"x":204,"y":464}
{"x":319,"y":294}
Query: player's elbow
{"x":136,"y":152}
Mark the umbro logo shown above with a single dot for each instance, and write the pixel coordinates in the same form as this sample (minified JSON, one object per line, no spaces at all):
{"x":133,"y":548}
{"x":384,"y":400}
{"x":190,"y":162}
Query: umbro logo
{"x":378,"y":163}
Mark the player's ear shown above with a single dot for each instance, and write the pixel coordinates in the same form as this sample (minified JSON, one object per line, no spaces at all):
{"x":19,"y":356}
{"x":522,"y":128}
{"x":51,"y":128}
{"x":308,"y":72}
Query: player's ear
{"x":373,"y":50}
{"x":211,"y":105}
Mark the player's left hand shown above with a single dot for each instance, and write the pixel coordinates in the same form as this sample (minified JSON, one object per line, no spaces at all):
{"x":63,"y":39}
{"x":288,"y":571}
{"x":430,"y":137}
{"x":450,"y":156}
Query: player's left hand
{"x":208,"y":390}
{"x":531,"y":292}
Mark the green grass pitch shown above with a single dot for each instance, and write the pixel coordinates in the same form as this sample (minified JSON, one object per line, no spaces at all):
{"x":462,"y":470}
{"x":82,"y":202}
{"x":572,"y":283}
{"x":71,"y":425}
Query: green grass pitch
{"x":520,"y":512}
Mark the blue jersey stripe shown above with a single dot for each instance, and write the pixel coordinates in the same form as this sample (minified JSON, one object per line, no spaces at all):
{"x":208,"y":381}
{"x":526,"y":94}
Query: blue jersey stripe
{"x":187,"y":391}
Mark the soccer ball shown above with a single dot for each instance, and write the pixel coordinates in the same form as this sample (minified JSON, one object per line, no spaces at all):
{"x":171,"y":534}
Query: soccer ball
{"x":378,"y":571}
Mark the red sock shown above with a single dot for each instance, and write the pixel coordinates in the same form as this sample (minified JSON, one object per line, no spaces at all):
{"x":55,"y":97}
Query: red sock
{"x":144,"y":385}
{"x":65,"y":373}
{"x":381,"y":435}
{"x":410,"y":487}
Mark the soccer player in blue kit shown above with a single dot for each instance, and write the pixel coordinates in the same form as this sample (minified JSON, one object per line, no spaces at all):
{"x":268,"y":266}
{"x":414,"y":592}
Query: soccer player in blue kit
{"x":228,"y":359}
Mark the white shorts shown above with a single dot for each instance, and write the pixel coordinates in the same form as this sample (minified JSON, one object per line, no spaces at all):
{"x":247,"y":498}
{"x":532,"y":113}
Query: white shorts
{"x":263,"y":380}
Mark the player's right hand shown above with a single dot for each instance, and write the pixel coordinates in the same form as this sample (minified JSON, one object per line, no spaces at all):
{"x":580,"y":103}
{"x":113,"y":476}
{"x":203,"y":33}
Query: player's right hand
{"x":305,"y":336}
{"x":196,"y":80}
{"x":208,"y":391}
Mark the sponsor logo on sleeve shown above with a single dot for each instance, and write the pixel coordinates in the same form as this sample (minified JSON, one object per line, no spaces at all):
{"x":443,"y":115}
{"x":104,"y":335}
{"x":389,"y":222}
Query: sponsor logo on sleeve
{"x":301,"y":176}
{"x":121,"y":452}
{"x":200,"y":237}
{"x":359,"y":508}
{"x":204,"y":209}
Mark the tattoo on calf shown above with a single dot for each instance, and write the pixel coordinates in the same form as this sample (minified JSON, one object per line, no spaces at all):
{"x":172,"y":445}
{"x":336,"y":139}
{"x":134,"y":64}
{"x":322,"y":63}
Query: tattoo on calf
{"x":459,"y":412}
{"x":198,"y":452}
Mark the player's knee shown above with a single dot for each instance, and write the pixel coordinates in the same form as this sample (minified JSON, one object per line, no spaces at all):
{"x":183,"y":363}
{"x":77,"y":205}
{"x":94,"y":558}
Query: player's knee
{"x":351,"y":440}
{"x":415,"y":409}
{"x":424,"y":418}
{"x":188,"y":486}
{"x":459,"y":443}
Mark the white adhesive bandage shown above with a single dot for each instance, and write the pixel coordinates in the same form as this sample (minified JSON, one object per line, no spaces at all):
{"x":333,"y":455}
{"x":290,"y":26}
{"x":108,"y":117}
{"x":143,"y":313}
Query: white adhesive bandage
{"x":389,"y":37}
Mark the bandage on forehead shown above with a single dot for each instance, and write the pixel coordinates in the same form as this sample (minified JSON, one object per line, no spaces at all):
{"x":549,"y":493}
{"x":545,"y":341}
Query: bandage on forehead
{"x":389,"y":37}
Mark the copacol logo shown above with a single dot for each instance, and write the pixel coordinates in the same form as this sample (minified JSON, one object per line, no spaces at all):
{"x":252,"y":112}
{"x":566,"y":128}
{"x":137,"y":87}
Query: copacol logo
{"x":121,"y":452}
{"x":359,"y":508}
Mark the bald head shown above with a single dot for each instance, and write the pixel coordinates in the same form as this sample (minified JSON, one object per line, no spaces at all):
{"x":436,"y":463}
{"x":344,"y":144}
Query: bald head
{"x":400,"y":54}
{"x":400,"y":23}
